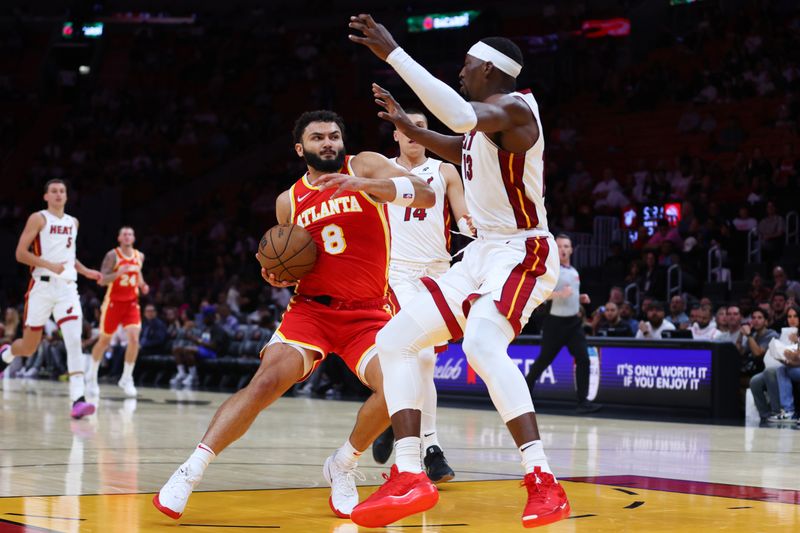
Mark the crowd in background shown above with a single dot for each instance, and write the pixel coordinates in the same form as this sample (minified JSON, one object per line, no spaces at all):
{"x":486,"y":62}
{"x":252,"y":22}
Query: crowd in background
{"x":170,"y":106}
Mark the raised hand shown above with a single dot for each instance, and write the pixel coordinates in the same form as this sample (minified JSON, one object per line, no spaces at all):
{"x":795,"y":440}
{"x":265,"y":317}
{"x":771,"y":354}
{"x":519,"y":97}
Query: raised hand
{"x":376,"y":37}
{"x":394,"y":113}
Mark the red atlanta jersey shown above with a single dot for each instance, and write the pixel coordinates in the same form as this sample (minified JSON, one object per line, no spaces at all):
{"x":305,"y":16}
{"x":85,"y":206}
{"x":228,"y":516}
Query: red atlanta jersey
{"x":353,"y":241}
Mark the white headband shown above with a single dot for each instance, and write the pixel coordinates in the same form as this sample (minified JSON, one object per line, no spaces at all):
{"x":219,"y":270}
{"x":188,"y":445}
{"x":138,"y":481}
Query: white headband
{"x":484,"y":52}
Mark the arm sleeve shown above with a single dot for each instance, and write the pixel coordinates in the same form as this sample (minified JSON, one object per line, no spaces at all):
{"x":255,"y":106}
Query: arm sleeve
{"x":448,"y":106}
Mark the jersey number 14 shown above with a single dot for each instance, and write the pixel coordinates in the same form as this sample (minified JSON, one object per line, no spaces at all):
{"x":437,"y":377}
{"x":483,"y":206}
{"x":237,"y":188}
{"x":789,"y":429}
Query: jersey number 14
{"x":415,"y":212}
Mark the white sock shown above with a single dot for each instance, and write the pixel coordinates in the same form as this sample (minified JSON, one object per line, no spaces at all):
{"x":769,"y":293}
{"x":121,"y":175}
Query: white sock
{"x":533,"y":456}
{"x":77,"y":387}
{"x":406,"y":453}
{"x":127,"y":371}
{"x":8,"y":357}
{"x":347,"y":456}
{"x":429,"y":439}
{"x":94,"y":367}
{"x":193,"y":371}
{"x":181,"y":370}
{"x":200,"y":458}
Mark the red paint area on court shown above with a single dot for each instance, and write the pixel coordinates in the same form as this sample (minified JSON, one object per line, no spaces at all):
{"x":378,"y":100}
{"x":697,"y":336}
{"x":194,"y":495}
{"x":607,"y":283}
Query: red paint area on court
{"x":696,"y":487}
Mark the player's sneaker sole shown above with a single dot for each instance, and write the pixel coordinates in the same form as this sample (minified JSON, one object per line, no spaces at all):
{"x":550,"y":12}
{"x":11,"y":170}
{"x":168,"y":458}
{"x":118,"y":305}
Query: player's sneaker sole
{"x":167,"y":511}
{"x":536,"y":520}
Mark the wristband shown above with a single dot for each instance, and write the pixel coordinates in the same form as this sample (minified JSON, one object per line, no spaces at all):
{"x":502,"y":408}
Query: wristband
{"x":404,"y":191}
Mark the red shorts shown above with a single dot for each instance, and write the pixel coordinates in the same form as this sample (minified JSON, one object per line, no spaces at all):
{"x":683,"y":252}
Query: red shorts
{"x":115,"y":313}
{"x":349,"y":333}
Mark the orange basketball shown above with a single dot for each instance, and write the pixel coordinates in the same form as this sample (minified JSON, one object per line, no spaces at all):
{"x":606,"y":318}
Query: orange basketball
{"x":288,"y":251}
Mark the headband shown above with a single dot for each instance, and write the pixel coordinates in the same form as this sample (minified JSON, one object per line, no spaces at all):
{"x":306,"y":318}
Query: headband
{"x":484,"y":52}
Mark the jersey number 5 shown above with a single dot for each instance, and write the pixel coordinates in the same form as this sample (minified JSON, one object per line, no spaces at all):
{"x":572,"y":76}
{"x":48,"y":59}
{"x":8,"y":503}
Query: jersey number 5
{"x":333,"y":239}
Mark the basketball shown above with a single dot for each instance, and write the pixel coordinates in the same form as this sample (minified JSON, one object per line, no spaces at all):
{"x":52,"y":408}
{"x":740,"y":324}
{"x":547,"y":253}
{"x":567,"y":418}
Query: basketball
{"x":288,"y":251}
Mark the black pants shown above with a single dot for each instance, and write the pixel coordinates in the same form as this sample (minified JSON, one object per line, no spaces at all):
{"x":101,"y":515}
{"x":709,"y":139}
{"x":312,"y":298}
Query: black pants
{"x":557,"y":332}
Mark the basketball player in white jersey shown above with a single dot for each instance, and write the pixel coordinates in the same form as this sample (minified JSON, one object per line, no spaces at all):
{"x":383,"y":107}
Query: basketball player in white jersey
{"x":420,"y":249}
{"x":508,"y":271}
{"x":47,"y":245}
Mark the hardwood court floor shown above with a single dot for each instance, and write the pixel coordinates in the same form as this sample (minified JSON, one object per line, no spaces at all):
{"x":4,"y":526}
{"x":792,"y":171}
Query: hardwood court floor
{"x":99,"y":474}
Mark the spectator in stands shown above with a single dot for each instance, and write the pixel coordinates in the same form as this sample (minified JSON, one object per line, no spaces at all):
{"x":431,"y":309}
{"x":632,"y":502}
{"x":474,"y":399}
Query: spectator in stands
{"x":616,"y":295}
{"x":655,"y":323}
{"x":777,"y":308}
{"x":744,"y":222}
{"x":734,"y":321}
{"x":153,"y":337}
{"x":209,"y":344}
{"x":721,"y":320}
{"x":754,"y":341}
{"x":789,"y":349}
{"x":664,"y":234}
{"x":770,"y":232}
{"x":784,"y":284}
{"x":677,"y":315}
{"x":654,"y":280}
{"x":758,"y":293}
{"x":607,"y":194}
{"x":227,"y":321}
{"x":627,"y":314}
{"x":174,"y":327}
{"x":609,"y":323}
{"x":787,"y":353}
{"x":703,"y":329}
{"x":579,"y":180}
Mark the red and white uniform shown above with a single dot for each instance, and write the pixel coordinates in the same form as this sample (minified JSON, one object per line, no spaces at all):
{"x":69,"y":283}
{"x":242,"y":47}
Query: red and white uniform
{"x":514,"y":258}
{"x":342,"y":303}
{"x":121,"y":304}
{"x":420,"y":238}
{"x":48,"y":292}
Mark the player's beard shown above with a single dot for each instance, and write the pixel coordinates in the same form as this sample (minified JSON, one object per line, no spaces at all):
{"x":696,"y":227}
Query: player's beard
{"x":324,"y":165}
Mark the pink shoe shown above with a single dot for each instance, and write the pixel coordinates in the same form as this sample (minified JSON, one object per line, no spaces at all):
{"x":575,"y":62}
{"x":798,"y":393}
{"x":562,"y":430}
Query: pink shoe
{"x":81,"y":409}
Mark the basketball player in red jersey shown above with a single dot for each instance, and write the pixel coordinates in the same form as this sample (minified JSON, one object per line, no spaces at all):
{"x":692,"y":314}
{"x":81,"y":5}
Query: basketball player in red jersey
{"x":122,"y":274}
{"x":47,"y":245}
{"x":338,"y":307}
{"x":508,"y":271}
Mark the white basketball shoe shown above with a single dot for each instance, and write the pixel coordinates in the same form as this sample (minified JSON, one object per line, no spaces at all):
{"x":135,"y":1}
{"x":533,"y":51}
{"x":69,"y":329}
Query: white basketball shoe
{"x":344,"y":496}
{"x":173,"y":496}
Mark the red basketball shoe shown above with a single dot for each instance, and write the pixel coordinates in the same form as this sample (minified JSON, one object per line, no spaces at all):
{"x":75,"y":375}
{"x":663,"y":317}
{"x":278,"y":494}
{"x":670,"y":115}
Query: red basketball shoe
{"x":402,"y":495}
{"x":547,"y":501}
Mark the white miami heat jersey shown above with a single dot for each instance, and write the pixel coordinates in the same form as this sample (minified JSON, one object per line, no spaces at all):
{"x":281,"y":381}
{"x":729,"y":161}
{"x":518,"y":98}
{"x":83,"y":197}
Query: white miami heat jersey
{"x":422,"y":235}
{"x":56,"y":243}
{"x":504,"y":191}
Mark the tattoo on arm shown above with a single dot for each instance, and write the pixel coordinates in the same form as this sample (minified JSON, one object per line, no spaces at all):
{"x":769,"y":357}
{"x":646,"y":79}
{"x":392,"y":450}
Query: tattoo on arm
{"x":107,"y":268}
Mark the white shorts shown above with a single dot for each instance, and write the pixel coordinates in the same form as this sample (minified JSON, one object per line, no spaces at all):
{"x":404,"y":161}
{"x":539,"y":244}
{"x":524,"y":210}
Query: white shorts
{"x":57,"y":297}
{"x":518,"y":271}
{"x":405,"y":280}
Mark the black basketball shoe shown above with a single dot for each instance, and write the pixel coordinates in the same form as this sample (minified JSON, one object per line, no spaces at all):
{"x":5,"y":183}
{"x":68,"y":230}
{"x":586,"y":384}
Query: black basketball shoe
{"x":383,"y":446}
{"x":436,"y":465}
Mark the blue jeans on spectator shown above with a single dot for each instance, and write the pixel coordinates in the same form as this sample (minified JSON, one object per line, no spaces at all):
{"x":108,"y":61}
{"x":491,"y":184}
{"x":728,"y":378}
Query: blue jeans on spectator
{"x":785,"y":376}
{"x":766,"y":384}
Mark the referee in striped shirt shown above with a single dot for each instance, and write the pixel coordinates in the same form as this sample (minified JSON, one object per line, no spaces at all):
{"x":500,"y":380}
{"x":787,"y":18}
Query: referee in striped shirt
{"x":563,"y":327}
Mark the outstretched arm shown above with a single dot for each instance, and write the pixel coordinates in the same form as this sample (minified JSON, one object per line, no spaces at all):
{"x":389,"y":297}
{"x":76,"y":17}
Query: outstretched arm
{"x":499,"y":113}
{"x":447,"y":147}
{"x":383,"y":180}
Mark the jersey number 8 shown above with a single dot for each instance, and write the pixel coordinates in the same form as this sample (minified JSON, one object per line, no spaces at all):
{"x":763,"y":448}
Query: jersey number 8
{"x":333,"y":239}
